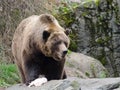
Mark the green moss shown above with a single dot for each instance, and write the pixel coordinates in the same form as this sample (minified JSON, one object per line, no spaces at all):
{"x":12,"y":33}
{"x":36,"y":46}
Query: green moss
{"x":103,"y":74}
{"x":87,"y":74}
{"x":84,"y":13}
{"x":102,"y":57}
{"x":15,"y":13}
{"x":97,"y":2}
{"x":70,"y":64}
{"x":92,"y":67}
{"x":103,"y":60}
{"x":73,"y":45}
{"x":75,"y":85}
{"x":99,"y":40}
{"x":102,"y":40}
{"x":69,"y":52}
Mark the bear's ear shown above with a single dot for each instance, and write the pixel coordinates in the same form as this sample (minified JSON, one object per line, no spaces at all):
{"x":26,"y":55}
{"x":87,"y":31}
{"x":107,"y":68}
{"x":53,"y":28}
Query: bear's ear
{"x":67,"y":31}
{"x":47,"y":18}
{"x":46,"y":34}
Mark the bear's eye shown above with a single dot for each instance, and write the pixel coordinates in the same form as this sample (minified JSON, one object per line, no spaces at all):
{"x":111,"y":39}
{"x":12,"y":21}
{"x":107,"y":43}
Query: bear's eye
{"x":58,"y":42}
{"x":46,"y":34}
{"x":66,"y":44}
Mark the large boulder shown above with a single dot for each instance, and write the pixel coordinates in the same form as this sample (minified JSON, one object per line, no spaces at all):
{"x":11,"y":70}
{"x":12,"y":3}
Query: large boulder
{"x":83,"y":66}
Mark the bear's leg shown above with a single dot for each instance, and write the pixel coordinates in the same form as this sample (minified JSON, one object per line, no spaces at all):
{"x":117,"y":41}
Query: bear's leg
{"x":32,"y":71}
{"x":21,"y":74}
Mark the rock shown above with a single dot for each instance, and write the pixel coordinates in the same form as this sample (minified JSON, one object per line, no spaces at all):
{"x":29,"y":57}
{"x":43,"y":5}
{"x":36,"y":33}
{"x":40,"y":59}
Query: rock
{"x":74,"y":83}
{"x":1,"y":88}
{"x":83,"y":66}
{"x":97,"y":25}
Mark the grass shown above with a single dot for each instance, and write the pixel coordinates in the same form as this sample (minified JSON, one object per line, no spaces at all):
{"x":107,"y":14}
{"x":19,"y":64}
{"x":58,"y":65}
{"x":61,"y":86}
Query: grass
{"x":8,"y":75}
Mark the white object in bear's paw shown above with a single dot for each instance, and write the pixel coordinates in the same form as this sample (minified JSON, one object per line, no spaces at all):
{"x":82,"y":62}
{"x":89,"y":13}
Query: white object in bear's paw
{"x":38,"y":82}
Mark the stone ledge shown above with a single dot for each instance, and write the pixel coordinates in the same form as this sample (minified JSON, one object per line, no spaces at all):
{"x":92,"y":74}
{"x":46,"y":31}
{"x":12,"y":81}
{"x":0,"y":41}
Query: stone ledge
{"x":75,"y":83}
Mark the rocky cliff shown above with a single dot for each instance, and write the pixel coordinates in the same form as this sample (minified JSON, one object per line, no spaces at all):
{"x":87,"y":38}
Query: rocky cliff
{"x":96,"y":25}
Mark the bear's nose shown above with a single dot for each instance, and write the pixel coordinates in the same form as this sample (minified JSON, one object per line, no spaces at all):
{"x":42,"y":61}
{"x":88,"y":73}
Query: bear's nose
{"x":65,"y":52}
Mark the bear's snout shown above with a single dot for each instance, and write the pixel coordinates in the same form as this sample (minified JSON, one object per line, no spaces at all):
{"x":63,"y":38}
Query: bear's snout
{"x":64,"y":53}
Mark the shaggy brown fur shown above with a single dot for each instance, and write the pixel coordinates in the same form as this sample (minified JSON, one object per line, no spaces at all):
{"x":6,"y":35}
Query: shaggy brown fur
{"x":39,"y":47}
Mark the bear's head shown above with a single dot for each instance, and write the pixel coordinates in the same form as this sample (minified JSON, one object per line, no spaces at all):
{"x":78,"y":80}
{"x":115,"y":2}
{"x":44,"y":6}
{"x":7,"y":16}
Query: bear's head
{"x":56,"y":41}
{"x":56,"y":44}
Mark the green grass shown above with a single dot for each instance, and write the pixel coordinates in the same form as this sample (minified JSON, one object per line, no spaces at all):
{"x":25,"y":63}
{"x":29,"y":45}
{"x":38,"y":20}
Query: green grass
{"x":8,"y":75}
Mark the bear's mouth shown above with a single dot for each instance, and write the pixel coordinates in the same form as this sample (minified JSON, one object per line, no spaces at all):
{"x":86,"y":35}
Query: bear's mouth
{"x":63,"y":56}
{"x":59,"y":58}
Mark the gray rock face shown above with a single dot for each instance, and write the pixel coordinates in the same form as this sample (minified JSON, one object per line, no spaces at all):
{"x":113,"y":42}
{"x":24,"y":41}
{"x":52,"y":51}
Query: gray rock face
{"x":75,"y":84}
{"x":97,"y":25}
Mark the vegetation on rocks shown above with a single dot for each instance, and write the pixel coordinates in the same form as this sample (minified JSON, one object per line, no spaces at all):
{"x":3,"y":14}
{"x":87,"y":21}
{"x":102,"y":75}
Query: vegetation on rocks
{"x":95,"y":28}
{"x":66,"y":16}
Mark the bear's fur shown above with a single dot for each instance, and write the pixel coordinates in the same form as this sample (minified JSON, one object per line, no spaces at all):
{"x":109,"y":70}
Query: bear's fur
{"x":39,"y":47}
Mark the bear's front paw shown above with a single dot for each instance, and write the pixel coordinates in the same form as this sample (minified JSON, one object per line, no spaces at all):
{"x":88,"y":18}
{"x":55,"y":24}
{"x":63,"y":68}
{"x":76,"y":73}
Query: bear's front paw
{"x":38,"y":82}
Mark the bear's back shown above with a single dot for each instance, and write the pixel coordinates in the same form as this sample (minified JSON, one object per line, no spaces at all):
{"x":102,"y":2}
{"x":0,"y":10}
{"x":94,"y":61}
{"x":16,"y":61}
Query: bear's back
{"x":21,"y":33}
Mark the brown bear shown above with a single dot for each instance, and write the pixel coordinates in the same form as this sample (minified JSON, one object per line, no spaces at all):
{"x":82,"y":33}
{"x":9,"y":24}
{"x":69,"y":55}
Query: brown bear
{"x":39,"y":47}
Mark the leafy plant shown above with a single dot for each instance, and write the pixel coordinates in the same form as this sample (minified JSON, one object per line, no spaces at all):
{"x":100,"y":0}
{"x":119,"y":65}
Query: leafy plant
{"x":103,"y":74}
{"x":66,"y":16}
{"x":8,"y":75}
{"x":87,"y":74}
